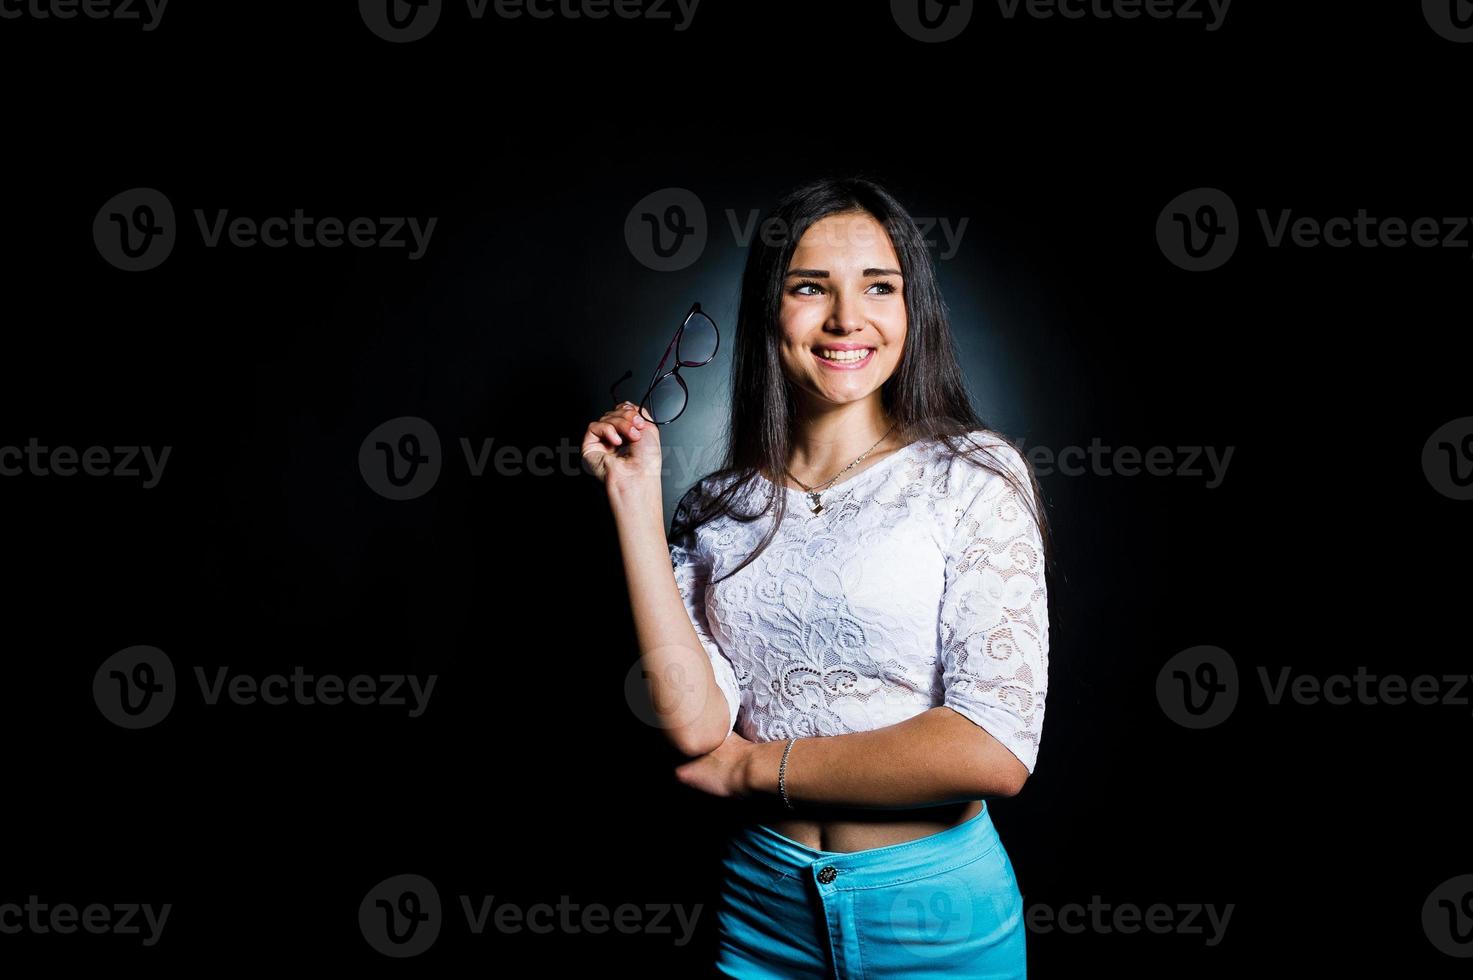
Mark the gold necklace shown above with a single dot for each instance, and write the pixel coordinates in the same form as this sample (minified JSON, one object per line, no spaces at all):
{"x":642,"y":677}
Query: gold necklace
{"x":814,"y":500}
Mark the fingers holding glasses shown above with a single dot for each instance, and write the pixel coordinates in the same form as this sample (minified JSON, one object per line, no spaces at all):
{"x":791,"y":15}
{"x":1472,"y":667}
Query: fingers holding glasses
{"x":605,"y":449}
{"x":620,"y":424}
{"x":626,"y":419}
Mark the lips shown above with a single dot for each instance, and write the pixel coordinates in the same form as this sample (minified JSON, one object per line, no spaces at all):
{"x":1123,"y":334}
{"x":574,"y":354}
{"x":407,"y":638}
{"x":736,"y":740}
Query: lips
{"x":854,"y":365}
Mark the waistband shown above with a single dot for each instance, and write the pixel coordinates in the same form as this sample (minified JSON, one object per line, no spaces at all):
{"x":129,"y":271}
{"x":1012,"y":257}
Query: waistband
{"x":878,"y":866}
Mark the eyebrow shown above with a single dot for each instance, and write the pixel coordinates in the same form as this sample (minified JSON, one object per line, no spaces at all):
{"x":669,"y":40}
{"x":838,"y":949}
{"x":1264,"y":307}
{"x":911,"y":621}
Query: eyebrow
{"x":824,"y":274}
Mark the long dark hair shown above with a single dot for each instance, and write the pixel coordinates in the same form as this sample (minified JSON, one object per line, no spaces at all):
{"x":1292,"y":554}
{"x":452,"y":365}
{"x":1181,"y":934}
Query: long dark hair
{"x":926,"y":395}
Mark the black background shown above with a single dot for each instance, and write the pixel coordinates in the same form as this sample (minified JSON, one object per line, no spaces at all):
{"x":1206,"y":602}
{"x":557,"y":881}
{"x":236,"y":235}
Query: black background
{"x":529,"y":777}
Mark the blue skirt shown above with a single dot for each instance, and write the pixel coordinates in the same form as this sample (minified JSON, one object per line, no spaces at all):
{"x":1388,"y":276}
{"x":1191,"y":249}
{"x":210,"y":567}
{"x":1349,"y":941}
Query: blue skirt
{"x":944,"y":905}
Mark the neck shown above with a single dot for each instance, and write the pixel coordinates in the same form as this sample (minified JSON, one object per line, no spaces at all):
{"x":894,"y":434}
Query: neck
{"x":829,"y":438}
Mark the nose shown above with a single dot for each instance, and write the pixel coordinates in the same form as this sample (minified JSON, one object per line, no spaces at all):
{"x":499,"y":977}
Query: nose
{"x":845,"y":315}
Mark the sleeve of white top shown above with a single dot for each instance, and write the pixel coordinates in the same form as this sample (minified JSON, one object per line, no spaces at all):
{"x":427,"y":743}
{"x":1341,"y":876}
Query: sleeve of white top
{"x":692,"y":576}
{"x":994,"y":608}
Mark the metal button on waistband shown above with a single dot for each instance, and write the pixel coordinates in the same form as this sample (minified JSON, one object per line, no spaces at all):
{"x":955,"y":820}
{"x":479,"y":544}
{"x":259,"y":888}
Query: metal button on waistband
{"x":828,"y":874}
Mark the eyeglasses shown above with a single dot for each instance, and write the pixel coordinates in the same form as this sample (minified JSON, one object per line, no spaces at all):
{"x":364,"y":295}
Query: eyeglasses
{"x":695,"y":345}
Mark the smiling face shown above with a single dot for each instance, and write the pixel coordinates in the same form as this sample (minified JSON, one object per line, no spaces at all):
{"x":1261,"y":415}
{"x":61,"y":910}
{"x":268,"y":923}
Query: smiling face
{"x":843,"y":310}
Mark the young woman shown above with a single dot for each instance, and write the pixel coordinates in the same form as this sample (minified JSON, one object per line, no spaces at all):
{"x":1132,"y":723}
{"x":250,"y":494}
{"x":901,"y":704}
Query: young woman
{"x":847,"y":627}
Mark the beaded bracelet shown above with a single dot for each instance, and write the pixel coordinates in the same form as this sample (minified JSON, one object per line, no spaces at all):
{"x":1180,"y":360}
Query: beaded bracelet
{"x":782,"y":775}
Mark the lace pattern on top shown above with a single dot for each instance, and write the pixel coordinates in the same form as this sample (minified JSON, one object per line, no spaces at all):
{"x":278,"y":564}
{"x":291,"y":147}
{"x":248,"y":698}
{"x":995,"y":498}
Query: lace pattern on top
{"x":920,"y":584}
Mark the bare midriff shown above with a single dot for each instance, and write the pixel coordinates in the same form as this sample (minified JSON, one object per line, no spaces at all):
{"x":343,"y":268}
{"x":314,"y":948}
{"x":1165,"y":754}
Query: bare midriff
{"x":847,"y":829}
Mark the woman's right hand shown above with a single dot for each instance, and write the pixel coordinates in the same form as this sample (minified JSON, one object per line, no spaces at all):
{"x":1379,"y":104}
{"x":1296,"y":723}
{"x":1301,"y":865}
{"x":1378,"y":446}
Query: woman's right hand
{"x":622,"y":446}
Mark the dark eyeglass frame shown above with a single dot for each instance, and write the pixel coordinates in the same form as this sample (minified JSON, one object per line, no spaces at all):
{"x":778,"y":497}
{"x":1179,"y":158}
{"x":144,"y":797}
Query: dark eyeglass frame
{"x":674,"y":345}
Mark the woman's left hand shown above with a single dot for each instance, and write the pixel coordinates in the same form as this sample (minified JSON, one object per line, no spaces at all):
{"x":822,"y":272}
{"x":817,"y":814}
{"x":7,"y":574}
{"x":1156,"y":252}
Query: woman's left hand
{"x":720,"y":772}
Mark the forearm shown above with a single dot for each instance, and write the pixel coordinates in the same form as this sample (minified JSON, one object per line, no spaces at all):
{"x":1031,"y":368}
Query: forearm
{"x":933,"y":758}
{"x":688,"y":705}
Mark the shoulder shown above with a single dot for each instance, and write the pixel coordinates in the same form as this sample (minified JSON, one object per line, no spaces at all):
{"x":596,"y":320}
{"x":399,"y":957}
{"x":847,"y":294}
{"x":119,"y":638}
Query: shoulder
{"x":699,"y":495}
{"x":977,"y":462}
{"x":689,"y":503}
{"x":987,"y":484}
{"x":692,"y":494}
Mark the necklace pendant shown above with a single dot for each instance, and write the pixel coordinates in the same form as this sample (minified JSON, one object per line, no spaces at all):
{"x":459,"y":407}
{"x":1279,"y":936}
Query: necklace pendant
{"x":814,"y":501}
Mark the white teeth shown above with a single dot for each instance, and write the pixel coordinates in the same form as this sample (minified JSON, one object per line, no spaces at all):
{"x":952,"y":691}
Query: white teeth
{"x":844,"y":355}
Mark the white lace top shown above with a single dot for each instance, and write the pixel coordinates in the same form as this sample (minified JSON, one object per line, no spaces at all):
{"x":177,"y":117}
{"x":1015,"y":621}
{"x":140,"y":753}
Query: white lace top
{"x":921,"y":583}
